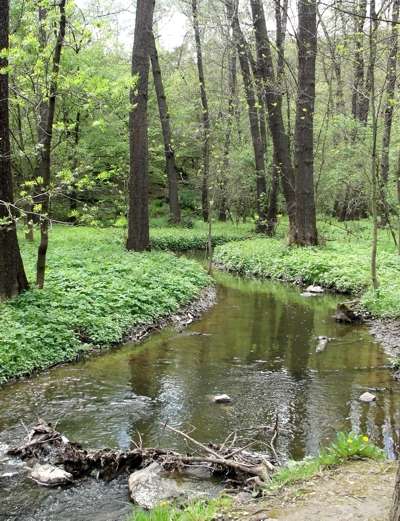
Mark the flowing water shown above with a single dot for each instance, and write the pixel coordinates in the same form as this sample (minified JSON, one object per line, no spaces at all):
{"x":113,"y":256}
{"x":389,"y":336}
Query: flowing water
{"x":257,"y":345}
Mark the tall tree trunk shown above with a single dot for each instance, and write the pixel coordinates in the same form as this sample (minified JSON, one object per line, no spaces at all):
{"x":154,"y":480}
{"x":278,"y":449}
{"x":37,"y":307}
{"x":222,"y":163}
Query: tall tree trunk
{"x":73,"y":203}
{"x":12,"y":275}
{"x":273,"y":98}
{"x":232,"y":108}
{"x":374,"y":159}
{"x":45,"y":134}
{"x":358,"y":80}
{"x":138,"y":213}
{"x":391,"y":76}
{"x":205,"y":113}
{"x":306,"y":225}
{"x":173,"y":196}
{"x":254,"y":118}
{"x":365,"y":99}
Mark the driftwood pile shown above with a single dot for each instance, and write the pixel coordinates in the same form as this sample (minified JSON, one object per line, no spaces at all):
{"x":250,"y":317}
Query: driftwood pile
{"x":236,"y":465}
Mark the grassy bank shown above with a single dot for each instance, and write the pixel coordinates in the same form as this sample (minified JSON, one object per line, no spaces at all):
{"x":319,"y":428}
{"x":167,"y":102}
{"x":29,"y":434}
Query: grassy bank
{"x":342,"y":264}
{"x":95,"y":292}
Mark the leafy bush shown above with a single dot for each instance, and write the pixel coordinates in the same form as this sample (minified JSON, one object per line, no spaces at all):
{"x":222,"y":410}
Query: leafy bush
{"x":95,"y":293}
{"x":350,"y":446}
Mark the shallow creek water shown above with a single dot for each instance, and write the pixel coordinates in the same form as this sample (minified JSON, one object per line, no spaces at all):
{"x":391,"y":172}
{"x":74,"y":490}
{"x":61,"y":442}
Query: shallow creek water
{"x":257,"y":344}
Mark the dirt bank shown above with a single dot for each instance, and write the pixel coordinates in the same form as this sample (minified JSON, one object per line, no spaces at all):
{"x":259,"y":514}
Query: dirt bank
{"x":359,"y":490}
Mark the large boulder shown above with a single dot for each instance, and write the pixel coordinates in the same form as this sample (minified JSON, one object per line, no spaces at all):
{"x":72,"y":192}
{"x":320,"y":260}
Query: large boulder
{"x":152,"y":485}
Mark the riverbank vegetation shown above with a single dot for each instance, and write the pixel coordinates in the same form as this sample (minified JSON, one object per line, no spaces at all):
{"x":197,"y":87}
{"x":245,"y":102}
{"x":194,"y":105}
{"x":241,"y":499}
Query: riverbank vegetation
{"x":341,"y":264}
{"x":96,"y":293}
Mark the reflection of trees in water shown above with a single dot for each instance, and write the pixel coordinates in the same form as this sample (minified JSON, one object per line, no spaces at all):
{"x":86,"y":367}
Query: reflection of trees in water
{"x":261,"y":351}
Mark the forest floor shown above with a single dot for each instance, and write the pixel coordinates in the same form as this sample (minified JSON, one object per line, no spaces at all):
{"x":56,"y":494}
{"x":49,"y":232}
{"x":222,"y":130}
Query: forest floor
{"x":360,"y":490}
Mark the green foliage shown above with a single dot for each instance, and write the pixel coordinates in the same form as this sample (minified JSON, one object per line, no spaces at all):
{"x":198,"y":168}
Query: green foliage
{"x":346,"y":447}
{"x":95,"y":293}
{"x":342,"y":264}
{"x":197,"y":511}
{"x":194,"y":238}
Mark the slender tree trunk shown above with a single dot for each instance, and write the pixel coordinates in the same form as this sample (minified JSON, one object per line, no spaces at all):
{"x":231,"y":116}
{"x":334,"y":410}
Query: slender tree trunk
{"x":358,"y":81}
{"x":138,"y":213}
{"x":45,"y":134}
{"x":306,"y":225}
{"x":395,"y":510}
{"x":73,"y":204}
{"x":254,"y":119}
{"x":205,"y":113}
{"x":374,"y":159}
{"x":12,"y":275}
{"x":365,"y":99}
{"x":232,"y":94}
{"x":391,"y":74}
{"x":273,"y":98}
{"x":173,"y":196}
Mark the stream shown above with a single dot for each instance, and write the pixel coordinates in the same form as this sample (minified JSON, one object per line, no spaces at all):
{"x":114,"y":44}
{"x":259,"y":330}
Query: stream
{"x":257,"y":344}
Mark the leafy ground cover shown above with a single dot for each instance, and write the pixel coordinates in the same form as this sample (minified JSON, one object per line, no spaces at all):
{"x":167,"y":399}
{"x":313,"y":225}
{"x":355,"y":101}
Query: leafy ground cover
{"x":342,"y":264}
{"x":95,"y":292}
{"x":195,"y":238}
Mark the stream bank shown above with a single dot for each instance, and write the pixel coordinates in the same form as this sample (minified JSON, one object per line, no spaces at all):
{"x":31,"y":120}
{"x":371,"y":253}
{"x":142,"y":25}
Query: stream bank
{"x":96,"y":295}
{"x":360,"y":490}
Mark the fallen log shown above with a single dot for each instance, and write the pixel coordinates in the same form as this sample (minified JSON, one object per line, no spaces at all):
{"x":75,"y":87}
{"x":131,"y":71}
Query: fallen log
{"x":46,"y":446}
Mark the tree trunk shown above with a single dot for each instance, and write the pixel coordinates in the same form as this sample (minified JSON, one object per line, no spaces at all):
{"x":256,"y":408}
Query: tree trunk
{"x":45,"y":134}
{"x":374,"y":162}
{"x":390,"y":95}
{"x":232,"y":109}
{"x":12,"y":274}
{"x":358,"y":81}
{"x":73,"y":203}
{"x":365,"y":99}
{"x":138,"y":214}
{"x":205,"y":114}
{"x":273,"y":98}
{"x":173,"y":196}
{"x":306,"y":226}
{"x":254,"y":119}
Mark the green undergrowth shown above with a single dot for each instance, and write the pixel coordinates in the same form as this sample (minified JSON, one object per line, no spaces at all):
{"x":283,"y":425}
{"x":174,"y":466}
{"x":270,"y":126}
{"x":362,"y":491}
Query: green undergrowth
{"x":95,"y":293}
{"x":346,"y":447}
{"x":196,"y":511}
{"x":341,"y":264}
{"x":179,"y":238}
